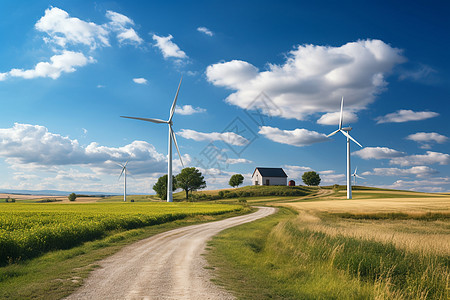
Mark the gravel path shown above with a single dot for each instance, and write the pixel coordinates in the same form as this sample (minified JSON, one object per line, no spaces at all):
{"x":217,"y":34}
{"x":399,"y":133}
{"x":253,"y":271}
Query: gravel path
{"x":169,"y":265}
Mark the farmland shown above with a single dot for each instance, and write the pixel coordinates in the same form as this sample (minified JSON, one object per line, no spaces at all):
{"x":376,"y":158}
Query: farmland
{"x":381,"y":245}
{"x":28,"y":230}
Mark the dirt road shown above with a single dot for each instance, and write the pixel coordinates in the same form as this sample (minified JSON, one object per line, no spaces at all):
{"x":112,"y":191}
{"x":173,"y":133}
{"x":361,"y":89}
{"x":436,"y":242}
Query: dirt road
{"x":166,"y":266}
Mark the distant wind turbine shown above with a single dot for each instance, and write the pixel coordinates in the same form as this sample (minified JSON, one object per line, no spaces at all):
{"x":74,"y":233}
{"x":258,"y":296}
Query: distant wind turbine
{"x":345,"y":131}
{"x":124,"y":173}
{"x":355,"y":175}
{"x":171,"y":137}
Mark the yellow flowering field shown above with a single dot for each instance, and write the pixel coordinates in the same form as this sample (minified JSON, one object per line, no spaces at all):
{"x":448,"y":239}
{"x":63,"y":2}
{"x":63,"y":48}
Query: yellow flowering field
{"x":28,"y":230}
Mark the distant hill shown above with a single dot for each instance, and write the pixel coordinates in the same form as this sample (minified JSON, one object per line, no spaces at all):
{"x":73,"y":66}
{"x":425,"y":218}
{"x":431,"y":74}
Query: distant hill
{"x":54,"y":192}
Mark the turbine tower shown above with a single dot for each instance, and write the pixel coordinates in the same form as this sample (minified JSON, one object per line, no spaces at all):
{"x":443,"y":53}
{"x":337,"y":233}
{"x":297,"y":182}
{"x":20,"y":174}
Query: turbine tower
{"x":345,"y":131}
{"x":171,"y":137}
{"x":355,"y":175}
{"x":124,"y":172}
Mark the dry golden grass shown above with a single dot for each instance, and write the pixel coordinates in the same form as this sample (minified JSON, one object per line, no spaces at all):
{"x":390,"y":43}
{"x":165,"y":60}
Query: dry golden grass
{"x":411,"y":234}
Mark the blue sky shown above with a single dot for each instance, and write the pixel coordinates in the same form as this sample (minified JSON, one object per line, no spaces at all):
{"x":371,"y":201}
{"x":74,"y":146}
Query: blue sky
{"x":262,"y":83}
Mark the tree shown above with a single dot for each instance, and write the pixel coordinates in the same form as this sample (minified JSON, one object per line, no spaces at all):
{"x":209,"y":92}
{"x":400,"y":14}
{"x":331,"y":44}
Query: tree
{"x":160,"y":187}
{"x":72,"y":197}
{"x":311,"y":178}
{"x":190,"y":179}
{"x":236,"y":180}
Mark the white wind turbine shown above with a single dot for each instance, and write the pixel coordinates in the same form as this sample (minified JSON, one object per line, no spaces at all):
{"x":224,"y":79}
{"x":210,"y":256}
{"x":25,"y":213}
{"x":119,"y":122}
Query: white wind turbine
{"x":171,"y":137}
{"x":355,"y":175}
{"x":345,"y":131}
{"x":124,"y":172}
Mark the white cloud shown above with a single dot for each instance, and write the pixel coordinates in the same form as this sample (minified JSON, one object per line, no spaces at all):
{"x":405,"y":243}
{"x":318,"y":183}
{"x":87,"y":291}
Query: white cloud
{"x":378,"y":153}
{"x":419,"y":73}
{"x":419,"y":171}
{"x":422,"y":159}
{"x":433,"y":184}
{"x":120,"y":24}
{"x":406,"y":115}
{"x":34,"y":146}
{"x":427,"y":137}
{"x":313,"y":78}
{"x":205,"y":31}
{"x":140,"y":80}
{"x":298,"y":137}
{"x":188,"y":110}
{"x":3,"y":76}
{"x":234,"y":161}
{"x":226,"y":137}
{"x":64,"y":29}
{"x":167,"y":47}
{"x":60,"y":63}
{"x":295,"y":171}
{"x":333,"y":118}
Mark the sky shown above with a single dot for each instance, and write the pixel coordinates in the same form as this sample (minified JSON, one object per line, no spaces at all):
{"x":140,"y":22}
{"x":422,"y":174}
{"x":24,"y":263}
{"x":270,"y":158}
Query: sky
{"x":262,"y":83}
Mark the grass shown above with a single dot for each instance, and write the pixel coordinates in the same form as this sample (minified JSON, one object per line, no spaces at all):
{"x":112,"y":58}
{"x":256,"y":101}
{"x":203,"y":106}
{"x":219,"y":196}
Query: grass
{"x":374,"y":248}
{"x":58,"y":273}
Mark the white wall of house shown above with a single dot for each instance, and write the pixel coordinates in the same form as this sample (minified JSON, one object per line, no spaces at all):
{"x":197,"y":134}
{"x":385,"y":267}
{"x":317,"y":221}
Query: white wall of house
{"x":257,"y":179}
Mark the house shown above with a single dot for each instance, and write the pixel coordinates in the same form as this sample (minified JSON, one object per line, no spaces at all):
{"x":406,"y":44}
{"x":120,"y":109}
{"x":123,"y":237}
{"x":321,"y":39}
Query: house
{"x":269,"y":176}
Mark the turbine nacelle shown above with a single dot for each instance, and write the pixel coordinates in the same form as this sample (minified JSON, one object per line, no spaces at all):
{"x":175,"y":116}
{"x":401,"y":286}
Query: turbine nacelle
{"x":346,"y":129}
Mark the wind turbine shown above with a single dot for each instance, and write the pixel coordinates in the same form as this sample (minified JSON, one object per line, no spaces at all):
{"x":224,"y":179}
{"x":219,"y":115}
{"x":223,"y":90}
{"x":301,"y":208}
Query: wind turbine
{"x":171,"y":137}
{"x":124,"y":172}
{"x":355,"y":175}
{"x":345,"y":131}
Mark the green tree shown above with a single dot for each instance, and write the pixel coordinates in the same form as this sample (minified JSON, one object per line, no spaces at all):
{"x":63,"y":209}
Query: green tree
{"x":160,"y":187}
{"x":236,"y":180}
{"x":72,"y":197}
{"x":190,"y":179}
{"x":311,"y":178}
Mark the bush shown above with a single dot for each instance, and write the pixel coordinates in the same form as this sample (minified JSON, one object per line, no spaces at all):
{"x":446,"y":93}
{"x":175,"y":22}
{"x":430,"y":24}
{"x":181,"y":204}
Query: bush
{"x":72,"y":197}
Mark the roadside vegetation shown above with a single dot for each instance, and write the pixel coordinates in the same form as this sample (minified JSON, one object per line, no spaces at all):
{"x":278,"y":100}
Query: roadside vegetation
{"x":375,"y":248}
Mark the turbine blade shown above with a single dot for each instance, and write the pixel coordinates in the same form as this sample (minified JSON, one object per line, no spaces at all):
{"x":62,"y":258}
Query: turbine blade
{"x":176,"y":144}
{"x":126,"y":164}
{"x":350,"y":137}
{"x":121,"y":173}
{"x":333,"y":133}
{"x":147,"y":119}
{"x":342,"y":112}
{"x":359,"y":176}
{"x":172,"y":109}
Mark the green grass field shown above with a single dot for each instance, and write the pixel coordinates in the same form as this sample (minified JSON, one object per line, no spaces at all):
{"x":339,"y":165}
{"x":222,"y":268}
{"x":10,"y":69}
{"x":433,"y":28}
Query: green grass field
{"x":28,"y":230}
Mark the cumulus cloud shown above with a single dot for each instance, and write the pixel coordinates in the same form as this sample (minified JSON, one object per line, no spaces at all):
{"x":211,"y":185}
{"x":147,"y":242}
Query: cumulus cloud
{"x":205,"y":31}
{"x":419,"y":171}
{"x":406,"y":115}
{"x":295,"y":171}
{"x":234,"y":161}
{"x":434,"y":184}
{"x":422,"y":159}
{"x":140,"y":80}
{"x":188,"y":110}
{"x":34,"y":145}
{"x":60,"y":63}
{"x":121,"y":24}
{"x":425,"y":138}
{"x":63,"y":29}
{"x":167,"y":47}
{"x":313,"y":78}
{"x":66,"y":31}
{"x":226,"y":137}
{"x":378,"y":153}
{"x":333,"y":118}
{"x":298,"y":137}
